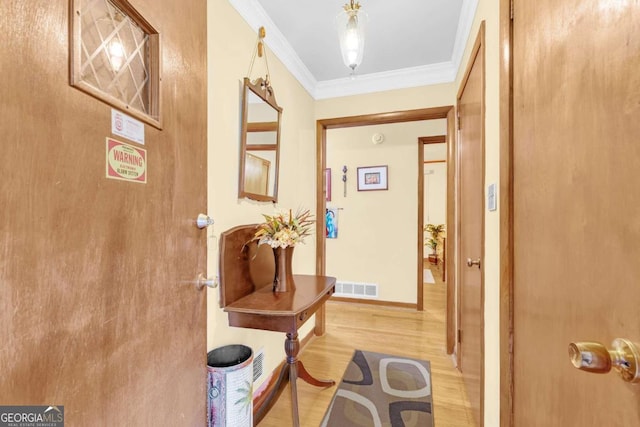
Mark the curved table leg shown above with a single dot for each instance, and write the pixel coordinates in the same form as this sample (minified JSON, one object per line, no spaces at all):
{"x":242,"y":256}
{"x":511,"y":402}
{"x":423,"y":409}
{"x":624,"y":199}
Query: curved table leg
{"x":296,"y":368}
{"x":303,"y":374}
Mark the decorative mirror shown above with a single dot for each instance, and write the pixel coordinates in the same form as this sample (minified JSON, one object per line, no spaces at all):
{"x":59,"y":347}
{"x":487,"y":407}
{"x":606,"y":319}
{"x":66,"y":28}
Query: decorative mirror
{"x":260,"y":142}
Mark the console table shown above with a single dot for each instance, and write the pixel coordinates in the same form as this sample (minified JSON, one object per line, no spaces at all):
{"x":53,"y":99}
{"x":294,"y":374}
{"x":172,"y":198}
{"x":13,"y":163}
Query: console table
{"x":246,"y":277}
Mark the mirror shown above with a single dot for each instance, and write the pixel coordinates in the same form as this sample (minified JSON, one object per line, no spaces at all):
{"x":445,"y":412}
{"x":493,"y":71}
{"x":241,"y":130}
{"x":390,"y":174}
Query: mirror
{"x":260,"y":142}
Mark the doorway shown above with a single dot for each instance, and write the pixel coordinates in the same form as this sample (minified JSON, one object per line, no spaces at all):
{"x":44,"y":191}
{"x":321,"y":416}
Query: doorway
{"x":432,"y":204}
{"x":321,"y":164}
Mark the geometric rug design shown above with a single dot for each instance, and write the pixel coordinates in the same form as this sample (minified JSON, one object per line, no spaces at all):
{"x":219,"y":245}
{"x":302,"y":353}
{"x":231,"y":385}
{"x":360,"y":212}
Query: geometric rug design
{"x":382,"y":390}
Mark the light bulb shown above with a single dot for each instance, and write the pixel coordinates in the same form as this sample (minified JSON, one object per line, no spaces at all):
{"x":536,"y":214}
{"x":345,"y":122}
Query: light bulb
{"x":350,"y":26}
{"x":116,"y":55}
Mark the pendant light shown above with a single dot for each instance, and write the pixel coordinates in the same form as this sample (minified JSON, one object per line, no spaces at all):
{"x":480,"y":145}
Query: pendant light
{"x":351,"y":28}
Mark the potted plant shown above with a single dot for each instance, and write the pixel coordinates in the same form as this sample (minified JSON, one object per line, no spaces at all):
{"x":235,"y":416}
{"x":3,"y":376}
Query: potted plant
{"x":433,"y":242}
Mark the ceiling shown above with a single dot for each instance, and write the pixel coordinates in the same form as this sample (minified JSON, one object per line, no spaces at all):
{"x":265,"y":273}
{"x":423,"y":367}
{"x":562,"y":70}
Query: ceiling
{"x":408,"y":43}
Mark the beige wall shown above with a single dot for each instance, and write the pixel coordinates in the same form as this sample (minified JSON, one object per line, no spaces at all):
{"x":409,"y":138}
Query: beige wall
{"x":377,"y":229}
{"x":380,"y":102}
{"x":230,"y":46}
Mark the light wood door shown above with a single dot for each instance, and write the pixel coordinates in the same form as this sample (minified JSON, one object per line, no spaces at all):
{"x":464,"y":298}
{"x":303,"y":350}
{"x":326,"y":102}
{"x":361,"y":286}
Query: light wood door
{"x":576,"y":206}
{"x":95,"y":311}
{"x":256,"y":174}
{"x":471,"y":292}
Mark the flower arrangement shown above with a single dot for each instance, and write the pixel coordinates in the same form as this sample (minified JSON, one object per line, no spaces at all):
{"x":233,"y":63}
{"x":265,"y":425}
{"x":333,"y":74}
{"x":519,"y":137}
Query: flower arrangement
{"x":284,"y":229}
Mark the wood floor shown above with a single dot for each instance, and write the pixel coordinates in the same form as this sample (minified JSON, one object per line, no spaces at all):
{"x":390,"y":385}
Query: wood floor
{"x":384,"y":330}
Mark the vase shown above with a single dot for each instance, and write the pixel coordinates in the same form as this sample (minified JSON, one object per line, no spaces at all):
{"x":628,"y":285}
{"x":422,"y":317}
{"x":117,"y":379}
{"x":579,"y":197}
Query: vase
{"x":283,"y":279}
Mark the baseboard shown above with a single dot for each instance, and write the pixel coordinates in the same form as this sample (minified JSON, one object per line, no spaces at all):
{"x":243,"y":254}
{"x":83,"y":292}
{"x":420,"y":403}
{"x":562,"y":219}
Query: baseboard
{"x":267,"y":394}
{"x":390,"y":304}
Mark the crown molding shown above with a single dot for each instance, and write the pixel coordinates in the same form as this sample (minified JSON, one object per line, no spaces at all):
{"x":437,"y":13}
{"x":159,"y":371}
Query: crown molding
{"x":446,"y":72}
{"x":467,"y":14}
{"x":253,"y":13}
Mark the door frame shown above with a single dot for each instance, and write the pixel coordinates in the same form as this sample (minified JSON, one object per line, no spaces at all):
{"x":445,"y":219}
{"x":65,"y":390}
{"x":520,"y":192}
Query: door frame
{"x":478,"y":51}
{"x":449,"y":250}
{"x":321,"y":161}
{"x":505,"y":201}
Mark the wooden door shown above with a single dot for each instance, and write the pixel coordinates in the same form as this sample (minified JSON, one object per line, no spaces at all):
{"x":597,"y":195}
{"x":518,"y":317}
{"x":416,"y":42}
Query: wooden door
{"x":95,"y":310}
{"x":256,"y":174}
{"x":576,"y":206}
{"x":471,"y":289}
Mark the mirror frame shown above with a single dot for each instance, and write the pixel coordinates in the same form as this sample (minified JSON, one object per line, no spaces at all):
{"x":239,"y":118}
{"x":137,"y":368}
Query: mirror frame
{"x":264,"y":91}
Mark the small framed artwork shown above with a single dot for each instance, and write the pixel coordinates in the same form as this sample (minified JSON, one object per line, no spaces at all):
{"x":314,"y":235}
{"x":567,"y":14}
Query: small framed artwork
{"x":327,"y":184}
{"x":372,"y":178}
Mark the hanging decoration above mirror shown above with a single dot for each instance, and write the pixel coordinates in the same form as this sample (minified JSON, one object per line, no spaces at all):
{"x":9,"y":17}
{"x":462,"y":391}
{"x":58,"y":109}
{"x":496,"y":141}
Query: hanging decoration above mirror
{"x":261,"y":52}
{"x":260,"y":134}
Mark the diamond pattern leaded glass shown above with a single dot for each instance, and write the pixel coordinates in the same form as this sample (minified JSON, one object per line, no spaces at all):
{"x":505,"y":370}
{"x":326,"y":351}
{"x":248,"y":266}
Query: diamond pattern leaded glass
{"x":114,"y":56}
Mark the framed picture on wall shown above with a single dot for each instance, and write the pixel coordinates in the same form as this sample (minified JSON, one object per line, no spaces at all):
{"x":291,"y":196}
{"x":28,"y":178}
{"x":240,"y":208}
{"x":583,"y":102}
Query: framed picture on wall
{"x":372,"y":178}
{"x":327,"y":184}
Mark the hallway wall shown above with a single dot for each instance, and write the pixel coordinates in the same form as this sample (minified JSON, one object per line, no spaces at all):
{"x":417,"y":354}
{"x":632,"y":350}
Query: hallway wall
{"x":377,"y":229}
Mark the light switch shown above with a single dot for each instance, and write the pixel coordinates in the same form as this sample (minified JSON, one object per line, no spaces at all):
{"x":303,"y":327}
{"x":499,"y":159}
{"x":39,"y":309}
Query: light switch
{"x":492,"y":197}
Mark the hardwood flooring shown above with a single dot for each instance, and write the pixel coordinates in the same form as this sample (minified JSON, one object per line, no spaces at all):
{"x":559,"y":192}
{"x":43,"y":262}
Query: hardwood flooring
{"x":384,"y":330}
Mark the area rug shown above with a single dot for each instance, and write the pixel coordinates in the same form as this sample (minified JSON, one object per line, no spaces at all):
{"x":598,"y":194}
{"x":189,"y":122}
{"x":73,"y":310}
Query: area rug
{"x":428,"y":276}
{"x":382,"y":390}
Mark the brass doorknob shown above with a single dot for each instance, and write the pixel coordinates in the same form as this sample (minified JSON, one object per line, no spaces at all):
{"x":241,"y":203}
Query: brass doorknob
{"x":596,"y":358}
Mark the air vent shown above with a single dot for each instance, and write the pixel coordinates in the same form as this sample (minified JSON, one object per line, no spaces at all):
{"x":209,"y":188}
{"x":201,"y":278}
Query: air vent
{"x":356,"y":290}
{"x":258,"y":365}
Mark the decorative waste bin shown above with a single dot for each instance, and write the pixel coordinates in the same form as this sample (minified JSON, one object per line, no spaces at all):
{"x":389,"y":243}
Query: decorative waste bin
{"x":230,"y":386}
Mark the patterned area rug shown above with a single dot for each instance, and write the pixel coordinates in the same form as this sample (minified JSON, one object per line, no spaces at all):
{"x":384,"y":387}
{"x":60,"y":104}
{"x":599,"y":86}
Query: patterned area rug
{"x":382,"y":390}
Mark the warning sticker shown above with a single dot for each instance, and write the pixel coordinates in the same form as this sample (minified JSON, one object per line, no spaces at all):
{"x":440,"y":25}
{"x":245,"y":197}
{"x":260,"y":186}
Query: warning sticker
{"x":126,"y":162}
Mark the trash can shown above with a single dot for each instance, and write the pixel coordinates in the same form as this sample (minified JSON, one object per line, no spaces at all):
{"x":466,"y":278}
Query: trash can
{"x":230,"y":386}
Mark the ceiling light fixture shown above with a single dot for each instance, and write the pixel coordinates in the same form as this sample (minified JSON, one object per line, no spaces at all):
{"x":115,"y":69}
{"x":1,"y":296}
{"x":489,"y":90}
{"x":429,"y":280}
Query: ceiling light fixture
{"x":351,"y":27}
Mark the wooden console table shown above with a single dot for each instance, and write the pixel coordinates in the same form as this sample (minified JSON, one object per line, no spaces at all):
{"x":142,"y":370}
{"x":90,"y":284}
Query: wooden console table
{"x":256,"y":306}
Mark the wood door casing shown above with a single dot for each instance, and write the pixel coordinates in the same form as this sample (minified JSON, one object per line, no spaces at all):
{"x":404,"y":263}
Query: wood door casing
{"x":470,"y":144}
{"x":452,"y":231}
{"x":321,"y":150}
{"x":576,"y":205}
{"x":96,"y":311}
{"x":505,"y":204}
